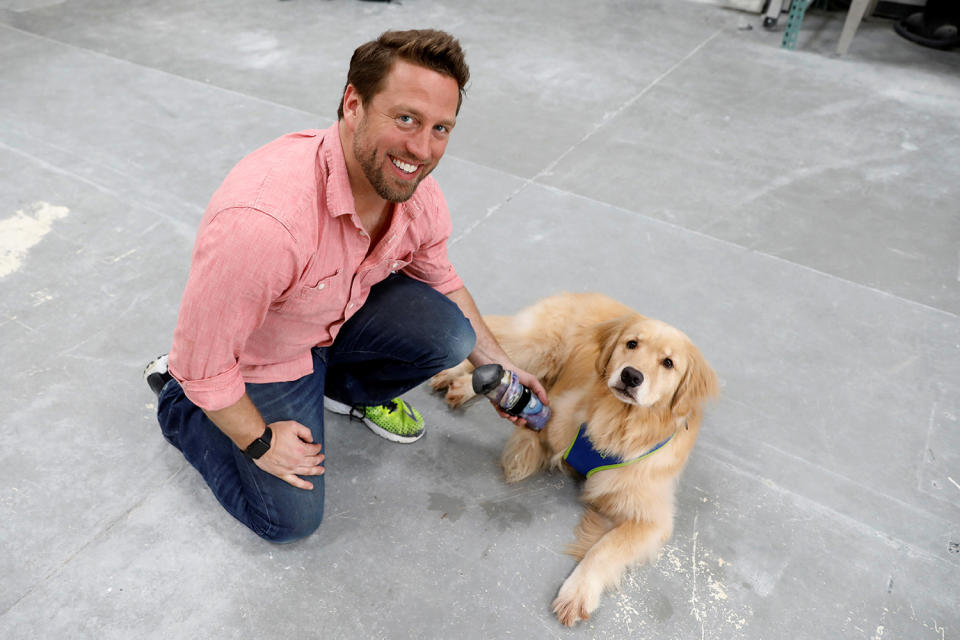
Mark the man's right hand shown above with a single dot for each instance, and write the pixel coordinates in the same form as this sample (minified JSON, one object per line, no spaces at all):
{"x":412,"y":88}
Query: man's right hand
{"x":292,"y":454}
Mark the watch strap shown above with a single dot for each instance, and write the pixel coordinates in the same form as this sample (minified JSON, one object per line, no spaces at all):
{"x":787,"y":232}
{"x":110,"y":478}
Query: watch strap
{"x":259,"y":446}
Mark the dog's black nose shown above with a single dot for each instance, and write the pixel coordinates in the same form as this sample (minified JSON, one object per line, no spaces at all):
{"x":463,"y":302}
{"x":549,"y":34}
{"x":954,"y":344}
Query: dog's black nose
{"x":631,"y":377}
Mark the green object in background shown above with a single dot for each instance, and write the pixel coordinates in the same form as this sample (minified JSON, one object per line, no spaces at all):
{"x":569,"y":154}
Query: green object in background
{"x":797,"y":10}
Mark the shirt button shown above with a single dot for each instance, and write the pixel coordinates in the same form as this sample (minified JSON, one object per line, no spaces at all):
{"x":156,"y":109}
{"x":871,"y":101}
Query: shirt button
{"x":321,"y":285}
{"x":395,"y":265}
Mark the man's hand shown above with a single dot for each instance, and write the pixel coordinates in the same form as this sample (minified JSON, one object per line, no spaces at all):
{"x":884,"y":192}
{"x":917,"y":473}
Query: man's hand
{"x":528,"y":380}
{"x":487,"y":350}
{"x":292,"y":454}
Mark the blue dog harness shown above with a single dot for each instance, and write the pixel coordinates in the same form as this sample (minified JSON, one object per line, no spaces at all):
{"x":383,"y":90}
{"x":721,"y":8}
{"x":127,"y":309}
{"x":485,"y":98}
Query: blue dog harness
{"x":582,"y":456}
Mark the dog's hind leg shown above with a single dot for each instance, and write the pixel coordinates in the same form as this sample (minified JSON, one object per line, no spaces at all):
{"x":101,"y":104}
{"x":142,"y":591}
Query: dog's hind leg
{"x":523,"y":455}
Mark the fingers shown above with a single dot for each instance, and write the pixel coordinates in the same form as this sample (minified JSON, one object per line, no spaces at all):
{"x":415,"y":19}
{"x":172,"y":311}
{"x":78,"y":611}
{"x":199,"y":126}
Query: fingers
{"x":533,"y":383}
{"x":304,"y":433}
{"x":503,"y":414}
{"x":541,"y":393}
{"x":312,"y":466}
{"x":539,"y":390}
{"x":297,"y":482}
{"x":293,"y":454}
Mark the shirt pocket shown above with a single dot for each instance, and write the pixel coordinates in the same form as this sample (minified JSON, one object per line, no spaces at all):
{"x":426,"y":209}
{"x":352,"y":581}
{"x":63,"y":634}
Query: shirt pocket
{"x":326,"y":283}
{"x":316,"y":297}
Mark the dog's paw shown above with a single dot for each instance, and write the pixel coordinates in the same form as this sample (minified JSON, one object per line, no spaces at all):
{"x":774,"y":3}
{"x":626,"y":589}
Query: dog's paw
{"x":459,"y":390}
{"x":512,"y":474}
{"x":442,"y":380}
{"x":575,"y":602}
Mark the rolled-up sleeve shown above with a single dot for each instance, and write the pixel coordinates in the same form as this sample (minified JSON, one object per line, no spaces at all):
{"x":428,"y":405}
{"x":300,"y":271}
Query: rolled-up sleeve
{"x":243,"y":261}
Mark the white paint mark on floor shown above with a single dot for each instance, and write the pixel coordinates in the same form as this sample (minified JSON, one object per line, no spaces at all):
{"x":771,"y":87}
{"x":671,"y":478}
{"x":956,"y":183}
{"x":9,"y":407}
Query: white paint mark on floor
{"x":41,"y":296}
{"x":714,"y":605}
{"x":24,"y":230}
{"x":693,"y":563}
{"x":125,"y":255}
{"x":954,"y":482}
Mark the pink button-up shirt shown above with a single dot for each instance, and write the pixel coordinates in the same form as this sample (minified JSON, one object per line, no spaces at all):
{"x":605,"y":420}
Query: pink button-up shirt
{"x":281,"y":261}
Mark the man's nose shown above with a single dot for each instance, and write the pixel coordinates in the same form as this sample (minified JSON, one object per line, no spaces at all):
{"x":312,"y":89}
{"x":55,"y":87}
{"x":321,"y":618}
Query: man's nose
{"x":419,"y":144}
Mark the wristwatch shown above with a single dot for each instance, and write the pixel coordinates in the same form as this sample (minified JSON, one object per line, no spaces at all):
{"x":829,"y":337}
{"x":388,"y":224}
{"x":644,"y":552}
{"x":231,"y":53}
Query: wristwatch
{"x":259,"y":446}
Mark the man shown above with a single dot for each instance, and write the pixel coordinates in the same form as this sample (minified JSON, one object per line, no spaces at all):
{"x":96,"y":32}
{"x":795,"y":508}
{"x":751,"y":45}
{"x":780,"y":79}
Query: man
{"x":320,"y":267}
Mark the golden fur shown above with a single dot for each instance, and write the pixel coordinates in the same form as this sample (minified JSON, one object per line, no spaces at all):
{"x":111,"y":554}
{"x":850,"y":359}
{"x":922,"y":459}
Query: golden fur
{"x":579,"y":346}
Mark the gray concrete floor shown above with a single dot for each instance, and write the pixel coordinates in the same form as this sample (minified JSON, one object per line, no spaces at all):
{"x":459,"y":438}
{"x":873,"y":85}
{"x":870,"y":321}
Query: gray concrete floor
{"x":797,"y":214}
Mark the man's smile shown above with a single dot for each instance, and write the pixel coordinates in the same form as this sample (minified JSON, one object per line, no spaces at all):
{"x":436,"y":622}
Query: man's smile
{"x":406,"y":167}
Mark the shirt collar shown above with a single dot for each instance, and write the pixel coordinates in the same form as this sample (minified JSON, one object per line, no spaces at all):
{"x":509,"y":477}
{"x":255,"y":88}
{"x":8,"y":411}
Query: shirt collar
{"x":337,"y":190}
{"x":333,"y":172}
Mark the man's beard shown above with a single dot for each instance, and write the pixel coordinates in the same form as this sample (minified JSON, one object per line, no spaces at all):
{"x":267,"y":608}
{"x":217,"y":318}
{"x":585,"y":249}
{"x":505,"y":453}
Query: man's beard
{"x":377,"y":176}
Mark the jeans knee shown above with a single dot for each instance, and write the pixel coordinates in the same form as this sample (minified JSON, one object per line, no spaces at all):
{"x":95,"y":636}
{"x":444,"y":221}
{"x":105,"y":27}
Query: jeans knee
{"x":461,"y":343}
{"x":293,"y":514}
{"x":447,"y":347}
{"x":287,"y":533}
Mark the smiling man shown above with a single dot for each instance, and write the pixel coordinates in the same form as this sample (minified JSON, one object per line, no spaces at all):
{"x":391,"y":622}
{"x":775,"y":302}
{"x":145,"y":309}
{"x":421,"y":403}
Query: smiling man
{"x":320,"y":279}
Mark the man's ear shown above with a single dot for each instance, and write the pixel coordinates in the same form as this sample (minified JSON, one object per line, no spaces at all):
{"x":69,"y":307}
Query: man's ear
{"x":352,"y":106}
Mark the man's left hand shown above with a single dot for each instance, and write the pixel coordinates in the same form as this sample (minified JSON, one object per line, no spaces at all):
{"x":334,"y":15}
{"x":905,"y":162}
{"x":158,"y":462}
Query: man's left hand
{"x":528,"y":380}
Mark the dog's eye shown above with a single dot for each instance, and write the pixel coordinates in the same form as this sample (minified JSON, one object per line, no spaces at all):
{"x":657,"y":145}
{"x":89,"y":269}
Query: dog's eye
{"x":632,"y":344}
{"x":668,"y":363}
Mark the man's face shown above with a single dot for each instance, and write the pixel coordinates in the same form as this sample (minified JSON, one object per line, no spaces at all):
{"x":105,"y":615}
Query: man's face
{"x":401,"y":134}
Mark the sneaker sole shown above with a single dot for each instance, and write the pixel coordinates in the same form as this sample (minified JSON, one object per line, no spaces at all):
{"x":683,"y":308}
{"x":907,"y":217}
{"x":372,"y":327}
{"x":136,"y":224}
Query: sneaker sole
{"x":336,"y":406}
{"x":157,"y":376}
{"x":154,"y":367}
{"x":389,"y":435}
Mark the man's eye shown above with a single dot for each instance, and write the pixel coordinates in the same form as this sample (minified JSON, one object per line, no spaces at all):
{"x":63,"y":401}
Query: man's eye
{"x":406,"y":120}
{"x":632,"y":344}
{"x":441,"y":129}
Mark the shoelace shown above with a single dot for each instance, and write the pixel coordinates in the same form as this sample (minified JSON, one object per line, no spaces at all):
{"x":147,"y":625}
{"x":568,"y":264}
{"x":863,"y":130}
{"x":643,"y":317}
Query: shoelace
{"x":359,"y":413}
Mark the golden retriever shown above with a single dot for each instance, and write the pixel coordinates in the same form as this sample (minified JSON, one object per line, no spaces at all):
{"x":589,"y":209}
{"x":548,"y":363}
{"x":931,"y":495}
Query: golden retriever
{"x":634,"y":383}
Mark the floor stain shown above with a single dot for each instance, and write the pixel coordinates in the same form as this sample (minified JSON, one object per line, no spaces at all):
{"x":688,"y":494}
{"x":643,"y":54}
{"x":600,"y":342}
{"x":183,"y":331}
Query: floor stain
{"x":506,"y":515}
{"x":450,"y":507}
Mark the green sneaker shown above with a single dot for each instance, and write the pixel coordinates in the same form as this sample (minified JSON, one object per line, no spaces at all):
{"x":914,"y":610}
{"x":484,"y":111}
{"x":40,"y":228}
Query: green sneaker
{"x":396,"y":421}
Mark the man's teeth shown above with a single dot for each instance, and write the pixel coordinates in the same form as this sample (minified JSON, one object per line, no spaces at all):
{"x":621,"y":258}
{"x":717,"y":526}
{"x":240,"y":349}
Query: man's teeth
{"x":403,"y":166}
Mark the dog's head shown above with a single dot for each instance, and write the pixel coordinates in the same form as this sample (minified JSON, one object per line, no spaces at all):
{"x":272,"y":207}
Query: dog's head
{"x":646,"y":362}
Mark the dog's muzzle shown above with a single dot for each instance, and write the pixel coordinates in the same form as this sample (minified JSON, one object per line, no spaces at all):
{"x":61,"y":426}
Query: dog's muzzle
{"x":627,"y":386}
{"x":631,"y":377}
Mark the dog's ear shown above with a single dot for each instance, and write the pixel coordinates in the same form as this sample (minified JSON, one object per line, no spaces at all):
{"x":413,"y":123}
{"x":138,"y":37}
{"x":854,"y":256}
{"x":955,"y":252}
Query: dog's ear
{"x":699,"y":382}
{"x":606,"y":335}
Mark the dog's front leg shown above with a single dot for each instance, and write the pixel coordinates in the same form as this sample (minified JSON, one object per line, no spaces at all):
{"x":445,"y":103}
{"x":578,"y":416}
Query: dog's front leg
{"x":523,"y":455}
{"x":604,"y":564}
{"x":458,"y":381}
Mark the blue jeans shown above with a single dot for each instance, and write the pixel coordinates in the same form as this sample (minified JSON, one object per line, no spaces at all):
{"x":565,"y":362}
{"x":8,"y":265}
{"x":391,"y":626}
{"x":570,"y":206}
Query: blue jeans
{"x":403,"y":334}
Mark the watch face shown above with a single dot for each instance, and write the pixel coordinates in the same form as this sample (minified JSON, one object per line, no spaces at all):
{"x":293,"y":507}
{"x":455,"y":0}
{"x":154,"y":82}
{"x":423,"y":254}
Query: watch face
{"x":257,"y":448}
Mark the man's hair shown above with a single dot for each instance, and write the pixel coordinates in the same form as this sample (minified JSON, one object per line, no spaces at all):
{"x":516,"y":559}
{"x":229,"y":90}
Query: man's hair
{"x":430,"y":48}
